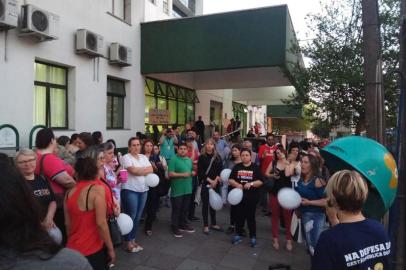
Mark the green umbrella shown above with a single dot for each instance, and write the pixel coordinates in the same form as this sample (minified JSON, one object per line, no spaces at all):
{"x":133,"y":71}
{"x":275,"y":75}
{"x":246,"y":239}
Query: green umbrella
{"x":373,"y":161}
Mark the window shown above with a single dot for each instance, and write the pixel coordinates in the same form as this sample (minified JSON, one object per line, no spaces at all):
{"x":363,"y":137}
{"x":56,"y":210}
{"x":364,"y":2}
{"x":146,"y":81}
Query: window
{"x":178,"y":100}
{"x":121,"y":9}
{"x":50,"y":95}
{"x":115,"y":103}
{"x":177,"y":13}
{"x":165,"y":6}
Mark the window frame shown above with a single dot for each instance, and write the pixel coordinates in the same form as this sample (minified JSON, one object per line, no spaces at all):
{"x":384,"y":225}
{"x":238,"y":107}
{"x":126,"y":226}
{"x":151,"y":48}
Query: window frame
{"x":161,"y":92}
{"x":165,"y":6}
{"x":126,"y":9}
{"x":48,"y":87}
{"x":114,"y":95}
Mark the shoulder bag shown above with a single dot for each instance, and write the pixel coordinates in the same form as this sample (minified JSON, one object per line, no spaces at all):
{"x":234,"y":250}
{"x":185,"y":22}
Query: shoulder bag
{"x":114,"y":229}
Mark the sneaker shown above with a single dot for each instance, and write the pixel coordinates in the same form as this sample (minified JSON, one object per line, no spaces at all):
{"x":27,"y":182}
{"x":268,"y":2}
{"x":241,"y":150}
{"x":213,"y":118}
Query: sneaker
{"x":187,"y":229}
{"x":194,"y":218}
{"x":230,"y":230}
{"x":176,"y":233}
{"x":236,"y":240}
{"x":253,"y":242}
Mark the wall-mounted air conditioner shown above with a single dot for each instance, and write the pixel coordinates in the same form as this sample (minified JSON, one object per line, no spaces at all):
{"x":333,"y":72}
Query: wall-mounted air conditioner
{"x":119,"y":55}
{"x":38,"y":23}
{"x":89,"y":43}
{"x":8,"y":14}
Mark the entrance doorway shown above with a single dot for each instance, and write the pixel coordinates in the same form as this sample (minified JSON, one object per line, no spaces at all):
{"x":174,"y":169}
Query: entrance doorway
{"x":216,"y":120}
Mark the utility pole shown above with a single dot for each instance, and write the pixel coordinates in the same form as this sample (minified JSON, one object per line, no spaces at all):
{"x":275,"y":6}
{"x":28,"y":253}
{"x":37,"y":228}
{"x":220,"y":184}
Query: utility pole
{"x":374,"y":103}
{"x":399,"y":219}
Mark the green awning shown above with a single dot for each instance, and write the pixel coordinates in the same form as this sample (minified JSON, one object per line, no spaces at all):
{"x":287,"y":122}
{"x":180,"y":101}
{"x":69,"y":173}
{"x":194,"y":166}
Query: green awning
{"x":257,"y":42}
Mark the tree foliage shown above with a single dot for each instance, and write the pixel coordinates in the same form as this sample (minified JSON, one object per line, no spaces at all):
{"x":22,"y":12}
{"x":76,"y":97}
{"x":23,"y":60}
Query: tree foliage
{"x":333,"y":82}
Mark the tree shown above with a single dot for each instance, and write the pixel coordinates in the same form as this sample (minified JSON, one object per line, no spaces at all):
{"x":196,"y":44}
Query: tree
{"x":334,"y":81}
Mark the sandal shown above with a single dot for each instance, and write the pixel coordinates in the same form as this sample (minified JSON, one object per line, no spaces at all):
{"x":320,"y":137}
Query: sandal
{"x":138,"y":247}
{"x":206,"y":230}
{"x":216,"y":228}
{"x":130,"y":248}
{"x":289,"y":245}
{"x":275,"y":243}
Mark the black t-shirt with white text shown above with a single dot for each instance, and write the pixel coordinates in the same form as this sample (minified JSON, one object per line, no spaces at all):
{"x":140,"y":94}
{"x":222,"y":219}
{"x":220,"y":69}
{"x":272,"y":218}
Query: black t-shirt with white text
{"x":246,"y":174}
{"x":357,"y":245}
{"x":42,"y":192}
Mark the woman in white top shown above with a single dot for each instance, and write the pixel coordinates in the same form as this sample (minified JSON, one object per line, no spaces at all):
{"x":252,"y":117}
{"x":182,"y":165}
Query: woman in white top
{"x":134,"y":192}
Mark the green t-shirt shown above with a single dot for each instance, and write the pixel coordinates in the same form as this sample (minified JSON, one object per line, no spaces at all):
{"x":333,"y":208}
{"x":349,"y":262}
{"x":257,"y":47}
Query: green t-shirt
{"x":180,"y":185}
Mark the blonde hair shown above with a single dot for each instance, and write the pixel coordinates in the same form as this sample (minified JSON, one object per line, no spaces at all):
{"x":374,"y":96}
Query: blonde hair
{"x":25,"y":152}
{"x":215,"y":153}
{"x":347,"y":190}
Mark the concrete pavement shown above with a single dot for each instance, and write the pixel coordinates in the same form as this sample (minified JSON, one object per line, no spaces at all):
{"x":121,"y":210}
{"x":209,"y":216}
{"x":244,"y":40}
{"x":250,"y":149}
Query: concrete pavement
{"x":198,"y":251}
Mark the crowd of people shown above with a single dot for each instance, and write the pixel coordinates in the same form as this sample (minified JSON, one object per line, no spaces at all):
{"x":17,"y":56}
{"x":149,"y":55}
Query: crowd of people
{"x":78,"y":184}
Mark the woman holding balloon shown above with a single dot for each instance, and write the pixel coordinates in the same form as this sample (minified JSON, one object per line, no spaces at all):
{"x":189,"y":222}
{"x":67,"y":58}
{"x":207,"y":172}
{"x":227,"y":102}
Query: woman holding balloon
{"x":152,"y":204}
{"x":247,"y":177}
{"x":235,"y":158}
{"x":209,"y":166}
{"x":134,"y":192}
{"x":312,"y":209}
{"x":277,"y":169}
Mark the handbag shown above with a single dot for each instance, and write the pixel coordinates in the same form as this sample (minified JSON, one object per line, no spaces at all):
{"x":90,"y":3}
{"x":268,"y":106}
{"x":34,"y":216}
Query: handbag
{"x":114,"y":229}
{"x":115,"y":232}
{"x":296,"y":228}
{"x":269,"y":182}
{"x":198,"y":196}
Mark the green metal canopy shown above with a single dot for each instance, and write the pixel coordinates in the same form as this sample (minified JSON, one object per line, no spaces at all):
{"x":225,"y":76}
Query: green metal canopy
{"x":242,"y":49}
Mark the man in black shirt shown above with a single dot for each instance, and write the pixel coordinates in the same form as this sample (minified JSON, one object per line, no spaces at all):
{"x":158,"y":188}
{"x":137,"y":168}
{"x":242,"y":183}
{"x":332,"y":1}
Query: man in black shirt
{"x":200,"y":128}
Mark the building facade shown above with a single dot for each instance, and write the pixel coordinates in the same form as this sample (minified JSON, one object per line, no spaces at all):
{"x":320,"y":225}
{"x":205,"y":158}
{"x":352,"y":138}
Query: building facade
{"x":102,"y":65}
{"x":49,"y":79}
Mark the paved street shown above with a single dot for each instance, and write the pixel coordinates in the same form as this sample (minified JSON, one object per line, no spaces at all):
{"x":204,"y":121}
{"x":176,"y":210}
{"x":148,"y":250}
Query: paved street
{"x":198,"y":251}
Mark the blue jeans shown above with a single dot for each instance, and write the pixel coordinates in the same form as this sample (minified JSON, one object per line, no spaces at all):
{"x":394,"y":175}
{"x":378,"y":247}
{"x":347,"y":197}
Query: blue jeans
{"x":313,"y":224}
{"x":133,"y":204}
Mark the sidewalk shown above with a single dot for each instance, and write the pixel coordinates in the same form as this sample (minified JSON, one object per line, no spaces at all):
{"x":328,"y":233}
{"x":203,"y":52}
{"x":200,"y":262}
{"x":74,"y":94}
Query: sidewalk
{"x":198,"y":251}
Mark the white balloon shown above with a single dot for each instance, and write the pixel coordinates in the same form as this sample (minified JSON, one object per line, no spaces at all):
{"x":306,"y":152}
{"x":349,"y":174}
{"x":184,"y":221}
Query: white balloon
{"x":235,"y":196}
{"x":125,"y":223}
{"x":215,"y":200}
{"x":152,"y":180}
{"x":55,"y":234}
{"x":288,"y":198}
{"x":225,"y":174}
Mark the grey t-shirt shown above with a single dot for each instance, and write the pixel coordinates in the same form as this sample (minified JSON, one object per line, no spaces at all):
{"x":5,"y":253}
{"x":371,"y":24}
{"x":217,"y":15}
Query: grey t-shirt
{"x":65,"y":259}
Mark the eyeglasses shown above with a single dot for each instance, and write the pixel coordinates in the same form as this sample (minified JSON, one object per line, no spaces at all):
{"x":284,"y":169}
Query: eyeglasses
{"x":101,"y":158}
{"x":26,"y":161}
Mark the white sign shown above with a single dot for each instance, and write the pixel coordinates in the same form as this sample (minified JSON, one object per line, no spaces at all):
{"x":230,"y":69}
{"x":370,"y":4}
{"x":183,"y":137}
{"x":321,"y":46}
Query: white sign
{"x":7,"y":138}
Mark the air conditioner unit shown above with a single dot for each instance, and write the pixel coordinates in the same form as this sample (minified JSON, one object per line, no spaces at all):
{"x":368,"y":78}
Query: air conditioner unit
{"x":89,"y":43}
{"x":120,"y":55}
{"x":8,"y":14}
{"x":38,"y":23}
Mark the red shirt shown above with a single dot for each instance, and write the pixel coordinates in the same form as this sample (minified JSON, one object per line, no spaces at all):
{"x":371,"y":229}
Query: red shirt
{"x":108,"y":196}
{"x":51,"y":167}
{"x":193,"y":154}
{"x":84,"y":235}
{"x":268,"y":158}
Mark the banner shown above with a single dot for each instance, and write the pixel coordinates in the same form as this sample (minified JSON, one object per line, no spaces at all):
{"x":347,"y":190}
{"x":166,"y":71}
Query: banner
{"x":158,"y":117}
